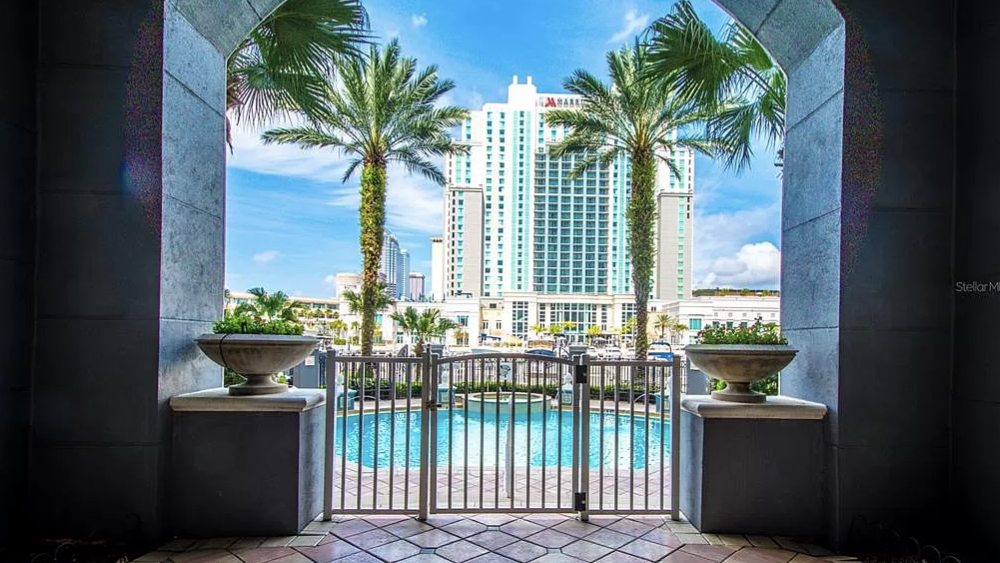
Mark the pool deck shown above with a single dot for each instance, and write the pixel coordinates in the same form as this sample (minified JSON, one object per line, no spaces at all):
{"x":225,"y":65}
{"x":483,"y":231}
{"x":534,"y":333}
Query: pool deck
{"x":495,"y":538}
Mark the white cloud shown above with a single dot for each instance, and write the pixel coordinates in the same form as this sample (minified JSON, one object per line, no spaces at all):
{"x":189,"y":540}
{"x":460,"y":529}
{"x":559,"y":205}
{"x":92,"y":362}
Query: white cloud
{"x":413,"y":203}
{"x":755,"y":265}
{"x":719,"y":236}
{"x":633,"y":22}
{"x":262,"y":258}
{"x":250,"y":153}
{"x":330,"y":281}
{"x":418,"y":20}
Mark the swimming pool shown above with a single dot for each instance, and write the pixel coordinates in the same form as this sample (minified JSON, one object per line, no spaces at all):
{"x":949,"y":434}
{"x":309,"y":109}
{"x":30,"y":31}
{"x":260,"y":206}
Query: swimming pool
{"x":615,"y":441}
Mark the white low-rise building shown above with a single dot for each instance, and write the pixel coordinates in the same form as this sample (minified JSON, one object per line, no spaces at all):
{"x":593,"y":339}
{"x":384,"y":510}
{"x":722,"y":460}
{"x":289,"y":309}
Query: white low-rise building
{"x":697,"y":313}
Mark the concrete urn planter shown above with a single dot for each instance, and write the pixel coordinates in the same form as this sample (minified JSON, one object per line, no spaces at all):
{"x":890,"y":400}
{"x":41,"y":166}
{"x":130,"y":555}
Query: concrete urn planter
{"x":257,"y":357}
{"x":739,"y":365}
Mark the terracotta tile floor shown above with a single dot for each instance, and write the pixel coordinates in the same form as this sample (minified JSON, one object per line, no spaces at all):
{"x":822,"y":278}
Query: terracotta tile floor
{"x":495,"y":538}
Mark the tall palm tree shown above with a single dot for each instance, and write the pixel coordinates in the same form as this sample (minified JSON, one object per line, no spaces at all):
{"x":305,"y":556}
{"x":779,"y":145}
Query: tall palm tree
{"x":731,"y":76}
{"x":663,"y":323}
{"x":270,"y":306}
{"x":286,"y":61}
{"x":640,"y":120}
{"x":382,"y":110}
{"x":425,"y":326}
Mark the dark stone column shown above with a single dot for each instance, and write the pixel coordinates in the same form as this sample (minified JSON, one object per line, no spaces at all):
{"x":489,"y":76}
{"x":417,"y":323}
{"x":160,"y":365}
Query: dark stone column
{"x":130,"y":252}
{"x":18,"y":137}
{"x":976,"y":389}
{"x":866,"y":258}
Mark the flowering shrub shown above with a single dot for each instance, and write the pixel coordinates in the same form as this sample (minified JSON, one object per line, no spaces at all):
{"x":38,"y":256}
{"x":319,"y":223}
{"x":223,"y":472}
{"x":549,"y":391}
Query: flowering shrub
{"x":757,"y":333}
{"x":243,"y":323}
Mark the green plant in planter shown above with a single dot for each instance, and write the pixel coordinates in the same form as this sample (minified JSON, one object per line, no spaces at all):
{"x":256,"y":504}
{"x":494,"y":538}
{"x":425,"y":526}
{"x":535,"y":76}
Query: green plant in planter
{"x":242,"y":323}
{"x":268,"y":313}
{"x":757,"y":333}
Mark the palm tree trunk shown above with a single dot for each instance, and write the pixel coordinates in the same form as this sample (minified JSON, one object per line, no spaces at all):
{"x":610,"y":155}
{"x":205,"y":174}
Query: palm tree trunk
{"x":372,"y":230}
{"x":641,"y":216}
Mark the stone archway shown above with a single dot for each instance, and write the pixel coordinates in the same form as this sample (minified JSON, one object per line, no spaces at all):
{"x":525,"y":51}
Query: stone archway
{"x":806,"y":37}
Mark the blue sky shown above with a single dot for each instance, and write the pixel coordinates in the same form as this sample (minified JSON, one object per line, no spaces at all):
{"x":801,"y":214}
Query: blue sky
{"x":292,"y":224}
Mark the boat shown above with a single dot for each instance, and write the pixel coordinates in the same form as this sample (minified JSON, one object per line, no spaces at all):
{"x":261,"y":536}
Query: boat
{"x":660,"y":350}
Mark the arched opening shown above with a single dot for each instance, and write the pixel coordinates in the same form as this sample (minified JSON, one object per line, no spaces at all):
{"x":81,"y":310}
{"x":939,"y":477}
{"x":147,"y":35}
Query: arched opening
{"x":170,"y":280}
{"x":809,"y":43}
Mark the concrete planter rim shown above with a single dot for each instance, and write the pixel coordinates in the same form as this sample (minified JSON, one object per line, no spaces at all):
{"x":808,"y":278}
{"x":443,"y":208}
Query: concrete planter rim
{"x":257,"y":357}
{"x":257,"y":339}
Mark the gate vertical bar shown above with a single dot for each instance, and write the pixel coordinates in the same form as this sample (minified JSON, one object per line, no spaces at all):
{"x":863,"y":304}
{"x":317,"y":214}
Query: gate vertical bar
{"x":431,"y":381}
{"x":575,"y":456}
{"x":331,"y":433}
{"x":675,"y":439}
{"x":584,"y":392}
{"x":425,"y":446}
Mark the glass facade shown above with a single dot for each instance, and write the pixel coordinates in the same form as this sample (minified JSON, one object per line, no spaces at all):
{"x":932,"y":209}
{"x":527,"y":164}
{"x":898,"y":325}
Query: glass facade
{"x":583,"y":315}
{"x":571,"y":228}
{"x":542,"y":230}
{"x":519,"y":316}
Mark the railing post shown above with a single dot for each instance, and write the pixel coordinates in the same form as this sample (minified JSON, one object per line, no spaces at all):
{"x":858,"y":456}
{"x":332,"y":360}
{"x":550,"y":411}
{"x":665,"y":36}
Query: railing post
{"x":331,"y":433}
{"x":584,"y":392}
{"x":425,"y":425}
{"x":675,"y":439}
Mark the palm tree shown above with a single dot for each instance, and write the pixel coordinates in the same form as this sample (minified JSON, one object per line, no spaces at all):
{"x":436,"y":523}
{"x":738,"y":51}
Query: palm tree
{"x":663,"y":323}
{"x":382,"y":110}
{"x":270,"y":306}
{"x":356,"y":304}
{"x":677,"y":330}
{"x":338,"y":326}
{"x":425,"y":326}
{"x":594,"y":331}
{"x":640,"y":120}
{"x":538,"y":329}
{"x":285,"y":62}
{"x":733,"y":77}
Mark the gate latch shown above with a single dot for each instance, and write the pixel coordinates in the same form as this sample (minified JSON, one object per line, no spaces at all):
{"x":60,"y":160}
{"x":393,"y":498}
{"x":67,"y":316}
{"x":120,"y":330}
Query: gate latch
{"x":580,"y":502}
{"x":580,"y":371}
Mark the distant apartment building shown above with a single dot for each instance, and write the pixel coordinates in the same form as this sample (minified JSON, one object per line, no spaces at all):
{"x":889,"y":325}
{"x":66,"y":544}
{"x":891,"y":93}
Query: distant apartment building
{"x":438,"y":271}
{"x":518,"y":229}
{"x":416,"y":286}
{"x":403,"y":274}
{"x":390,"y":270}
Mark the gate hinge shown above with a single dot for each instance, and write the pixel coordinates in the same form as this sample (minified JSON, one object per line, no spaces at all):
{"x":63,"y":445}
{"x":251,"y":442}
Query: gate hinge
{"x":580,"y":371}
{"x":580,"y":502}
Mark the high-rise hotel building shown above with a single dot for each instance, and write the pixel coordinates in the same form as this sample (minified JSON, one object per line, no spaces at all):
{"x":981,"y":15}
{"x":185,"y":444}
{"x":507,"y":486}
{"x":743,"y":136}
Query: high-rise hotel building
{"x":517,"y":227}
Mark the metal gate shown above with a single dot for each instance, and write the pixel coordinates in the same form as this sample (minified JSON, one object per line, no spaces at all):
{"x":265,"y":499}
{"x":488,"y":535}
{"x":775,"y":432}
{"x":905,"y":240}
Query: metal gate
{"x":504,"y":433}
{"x":500,"y":440}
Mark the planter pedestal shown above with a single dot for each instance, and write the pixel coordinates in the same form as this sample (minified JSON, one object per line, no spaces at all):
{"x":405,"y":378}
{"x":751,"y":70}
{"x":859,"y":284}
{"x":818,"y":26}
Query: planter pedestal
{"x":752,"y":468}
{"x":247,"y":465}
{"x":257,"y":385}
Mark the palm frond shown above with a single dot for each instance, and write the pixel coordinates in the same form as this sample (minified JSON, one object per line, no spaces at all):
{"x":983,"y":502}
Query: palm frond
{"x":285,"y":62}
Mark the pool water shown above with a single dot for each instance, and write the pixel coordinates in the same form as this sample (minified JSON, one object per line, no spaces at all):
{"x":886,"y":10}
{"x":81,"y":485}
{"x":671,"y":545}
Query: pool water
{"x":479,"y":435}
